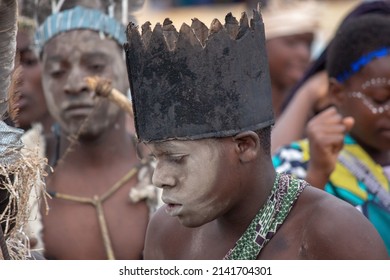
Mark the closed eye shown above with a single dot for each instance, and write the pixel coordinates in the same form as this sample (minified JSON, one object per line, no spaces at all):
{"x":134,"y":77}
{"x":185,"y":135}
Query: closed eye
{"x":29,"y":62}
{"x":96,"y":68}
{"x":176,"y":158}
{"x":57,"y":74}
{"x":380,"y":99}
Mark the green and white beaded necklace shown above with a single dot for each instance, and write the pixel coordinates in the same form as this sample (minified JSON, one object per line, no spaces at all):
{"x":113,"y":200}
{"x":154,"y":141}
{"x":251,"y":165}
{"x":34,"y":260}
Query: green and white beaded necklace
{"x":270,"y":217}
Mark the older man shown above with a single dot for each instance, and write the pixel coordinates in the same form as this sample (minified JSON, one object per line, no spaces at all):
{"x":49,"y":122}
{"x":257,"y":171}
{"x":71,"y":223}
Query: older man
{"x":91,"y":215}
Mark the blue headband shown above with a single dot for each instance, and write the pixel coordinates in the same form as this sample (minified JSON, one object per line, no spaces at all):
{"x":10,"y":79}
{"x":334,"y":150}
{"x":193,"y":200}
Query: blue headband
{"x":361,"y":62}
{"x":79,"y":18}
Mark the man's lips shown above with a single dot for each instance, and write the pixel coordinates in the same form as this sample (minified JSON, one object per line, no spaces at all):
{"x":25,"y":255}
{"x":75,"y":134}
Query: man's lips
{"x":78,"y":110}
{"x":172,"y":207}
{"x":169,"y":201}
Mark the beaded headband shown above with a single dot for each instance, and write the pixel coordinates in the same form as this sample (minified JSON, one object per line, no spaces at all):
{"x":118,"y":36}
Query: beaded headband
{"x":361,"y":62}
{"x":79,"y":18}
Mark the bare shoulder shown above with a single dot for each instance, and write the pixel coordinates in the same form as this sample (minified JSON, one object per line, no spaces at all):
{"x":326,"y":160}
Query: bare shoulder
{"x":334,"y":229}
{"x":165,"y":237}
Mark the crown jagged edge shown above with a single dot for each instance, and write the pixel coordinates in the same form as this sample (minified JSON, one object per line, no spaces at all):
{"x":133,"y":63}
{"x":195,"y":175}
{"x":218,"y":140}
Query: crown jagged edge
{"x":197,"y":35}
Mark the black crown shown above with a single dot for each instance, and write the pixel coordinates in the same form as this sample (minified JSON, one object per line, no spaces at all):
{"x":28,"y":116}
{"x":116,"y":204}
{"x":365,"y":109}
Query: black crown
{"x":199,"y":82}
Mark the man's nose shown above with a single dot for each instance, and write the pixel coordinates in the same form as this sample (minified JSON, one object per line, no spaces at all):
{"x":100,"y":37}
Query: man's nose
{"x":163,"y":177}
{"x":76,"y":83}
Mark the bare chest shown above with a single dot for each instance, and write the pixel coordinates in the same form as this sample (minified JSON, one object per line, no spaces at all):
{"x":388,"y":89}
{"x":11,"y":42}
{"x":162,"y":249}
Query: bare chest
{"x":287,"y":243}
{"x":91,"y":217}
{"x":202,"y":243}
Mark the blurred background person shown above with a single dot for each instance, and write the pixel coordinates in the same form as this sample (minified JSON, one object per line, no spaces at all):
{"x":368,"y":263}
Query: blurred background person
{"x":31,"y":105}
{"x":347,"y":152}
{"x":21,"y":170}
{"x":290,"y":30}
{"x":310,"y":95}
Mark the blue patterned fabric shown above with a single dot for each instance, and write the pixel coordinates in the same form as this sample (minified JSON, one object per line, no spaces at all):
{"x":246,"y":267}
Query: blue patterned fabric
{"x":79,"y":18}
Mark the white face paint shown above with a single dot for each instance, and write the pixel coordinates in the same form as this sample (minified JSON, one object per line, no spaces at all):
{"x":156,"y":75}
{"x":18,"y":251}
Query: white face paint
{"x":197,"y":178}
{"x":67,"y":59}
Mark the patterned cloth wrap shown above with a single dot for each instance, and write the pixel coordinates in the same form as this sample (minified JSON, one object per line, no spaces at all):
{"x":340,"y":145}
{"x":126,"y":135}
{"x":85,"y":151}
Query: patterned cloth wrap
{"x":294,"y":158}
{"x":268,"y":220}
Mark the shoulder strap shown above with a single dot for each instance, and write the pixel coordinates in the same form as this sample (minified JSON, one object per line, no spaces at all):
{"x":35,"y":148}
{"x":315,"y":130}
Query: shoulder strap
{"x":268,"y":220}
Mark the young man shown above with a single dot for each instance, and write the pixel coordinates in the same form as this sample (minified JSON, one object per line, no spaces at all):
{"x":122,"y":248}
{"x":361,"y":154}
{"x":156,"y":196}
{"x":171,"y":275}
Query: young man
{"x":91,"y":215}
{"x":348,"y":148}
{"x":202,"y":104}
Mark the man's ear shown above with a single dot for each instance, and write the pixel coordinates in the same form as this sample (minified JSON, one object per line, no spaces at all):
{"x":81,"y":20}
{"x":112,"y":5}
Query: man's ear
{"x":336,"y":92}
{"x":247,"y":145}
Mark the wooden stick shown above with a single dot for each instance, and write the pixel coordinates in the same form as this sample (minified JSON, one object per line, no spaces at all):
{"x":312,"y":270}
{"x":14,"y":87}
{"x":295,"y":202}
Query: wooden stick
{"x":102,"y":87}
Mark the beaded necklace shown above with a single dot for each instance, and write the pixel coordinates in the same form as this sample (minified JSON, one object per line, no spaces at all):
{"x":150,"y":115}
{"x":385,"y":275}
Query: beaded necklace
{"x":268,"y":220}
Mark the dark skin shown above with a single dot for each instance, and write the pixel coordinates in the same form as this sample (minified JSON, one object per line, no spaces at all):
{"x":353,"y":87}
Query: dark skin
{"x":101,"y":169}
{"x":102,"y":154}
{"x":319,"y":226}
{"x":288,"y":58}
{"x":31,"y":105}
{"x":372,"y":131}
